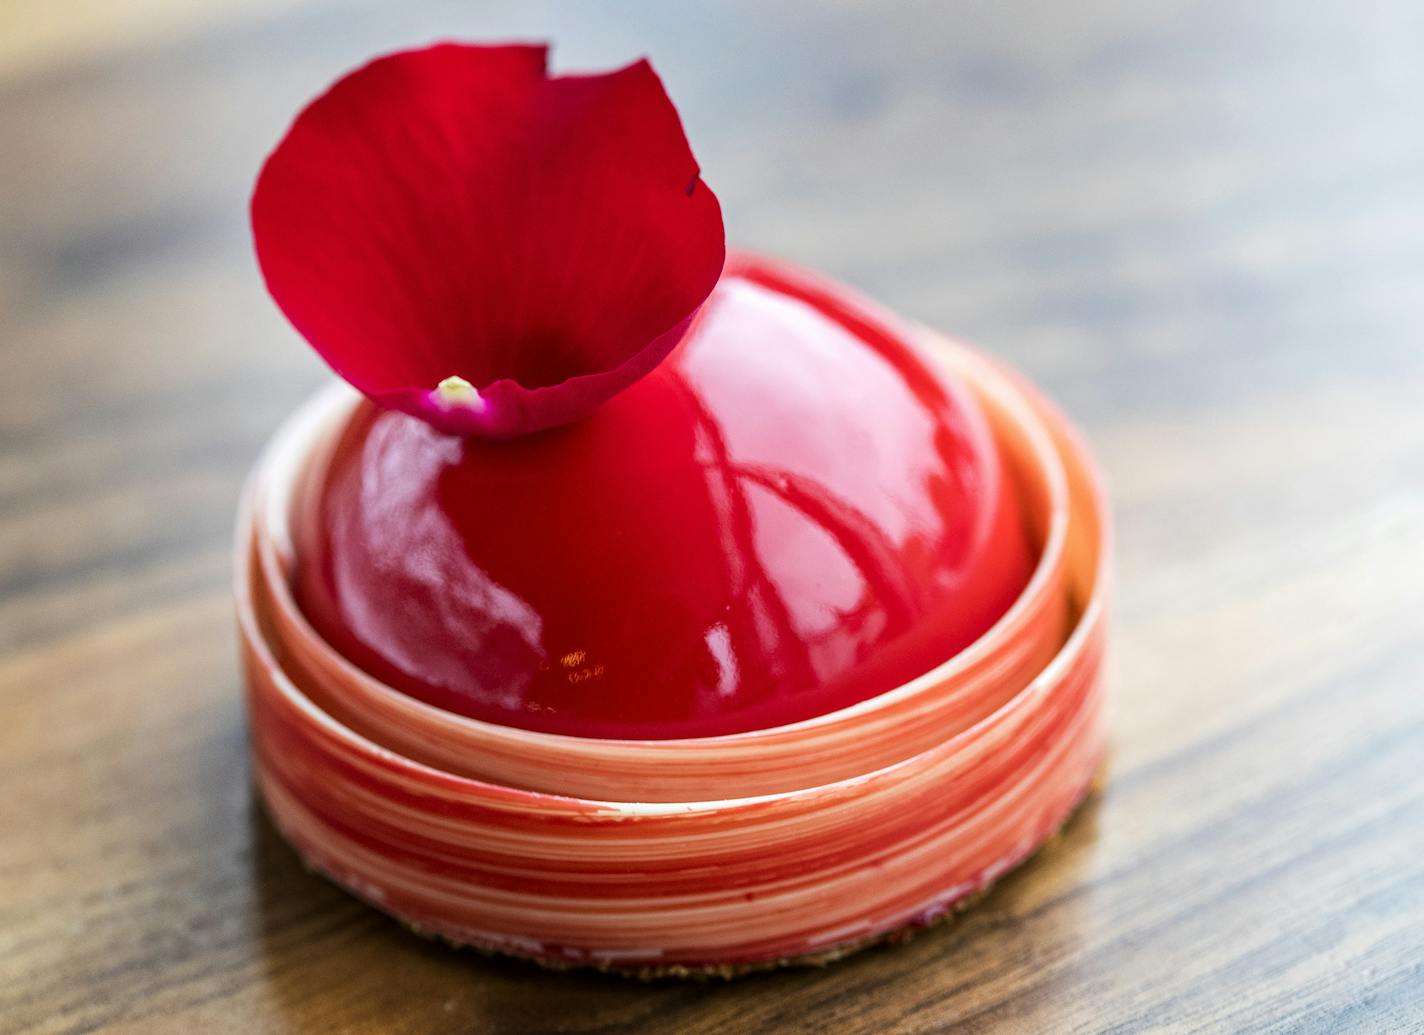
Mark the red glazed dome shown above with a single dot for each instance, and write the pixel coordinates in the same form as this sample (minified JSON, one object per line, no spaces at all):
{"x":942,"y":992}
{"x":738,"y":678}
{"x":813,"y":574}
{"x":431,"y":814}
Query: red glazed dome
{"x":793,"y":513}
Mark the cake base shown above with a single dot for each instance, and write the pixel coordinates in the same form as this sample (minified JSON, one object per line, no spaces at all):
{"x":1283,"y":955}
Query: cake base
{"x":726,"y":971}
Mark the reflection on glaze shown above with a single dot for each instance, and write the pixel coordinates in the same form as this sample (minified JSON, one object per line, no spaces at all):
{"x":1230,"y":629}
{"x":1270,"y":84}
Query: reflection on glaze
{"x":788,"y":516}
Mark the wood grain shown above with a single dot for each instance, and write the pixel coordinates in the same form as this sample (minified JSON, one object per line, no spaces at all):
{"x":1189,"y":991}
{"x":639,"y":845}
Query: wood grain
{"x":1201,"y":226}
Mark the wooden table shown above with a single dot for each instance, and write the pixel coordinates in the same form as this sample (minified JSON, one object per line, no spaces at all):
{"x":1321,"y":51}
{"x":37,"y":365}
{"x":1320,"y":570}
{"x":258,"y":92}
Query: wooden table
{"x":1201,"y":226}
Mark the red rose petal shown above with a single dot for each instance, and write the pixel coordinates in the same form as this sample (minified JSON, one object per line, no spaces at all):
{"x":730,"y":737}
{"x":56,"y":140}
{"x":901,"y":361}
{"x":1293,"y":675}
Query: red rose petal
{"x":493,"y":250}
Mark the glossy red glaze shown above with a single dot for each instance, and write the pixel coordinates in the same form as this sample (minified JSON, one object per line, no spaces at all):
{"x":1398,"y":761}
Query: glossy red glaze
{"x":792,"y":514}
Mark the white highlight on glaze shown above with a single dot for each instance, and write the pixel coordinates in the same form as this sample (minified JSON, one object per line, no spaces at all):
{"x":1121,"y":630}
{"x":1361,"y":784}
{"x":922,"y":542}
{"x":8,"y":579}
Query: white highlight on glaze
{"x":719,"y":643}
{"x":391,"y":505}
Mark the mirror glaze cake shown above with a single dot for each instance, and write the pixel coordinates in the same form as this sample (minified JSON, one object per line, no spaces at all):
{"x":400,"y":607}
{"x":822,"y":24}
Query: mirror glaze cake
{"x":633,"y":616}
{"x":788,"y":516}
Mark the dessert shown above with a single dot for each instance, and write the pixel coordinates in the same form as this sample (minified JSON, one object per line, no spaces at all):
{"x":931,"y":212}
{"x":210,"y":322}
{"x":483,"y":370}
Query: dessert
{"x":656,"y":608}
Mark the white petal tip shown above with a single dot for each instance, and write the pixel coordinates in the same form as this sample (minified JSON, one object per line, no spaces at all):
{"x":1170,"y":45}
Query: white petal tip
{"x":455,"y":393}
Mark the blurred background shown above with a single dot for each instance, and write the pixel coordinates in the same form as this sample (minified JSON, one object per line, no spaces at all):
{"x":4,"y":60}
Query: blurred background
{"x":1200,"y":226}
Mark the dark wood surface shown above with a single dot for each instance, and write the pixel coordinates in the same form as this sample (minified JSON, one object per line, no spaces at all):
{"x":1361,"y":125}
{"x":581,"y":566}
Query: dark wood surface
{"x":1201,"y":226}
